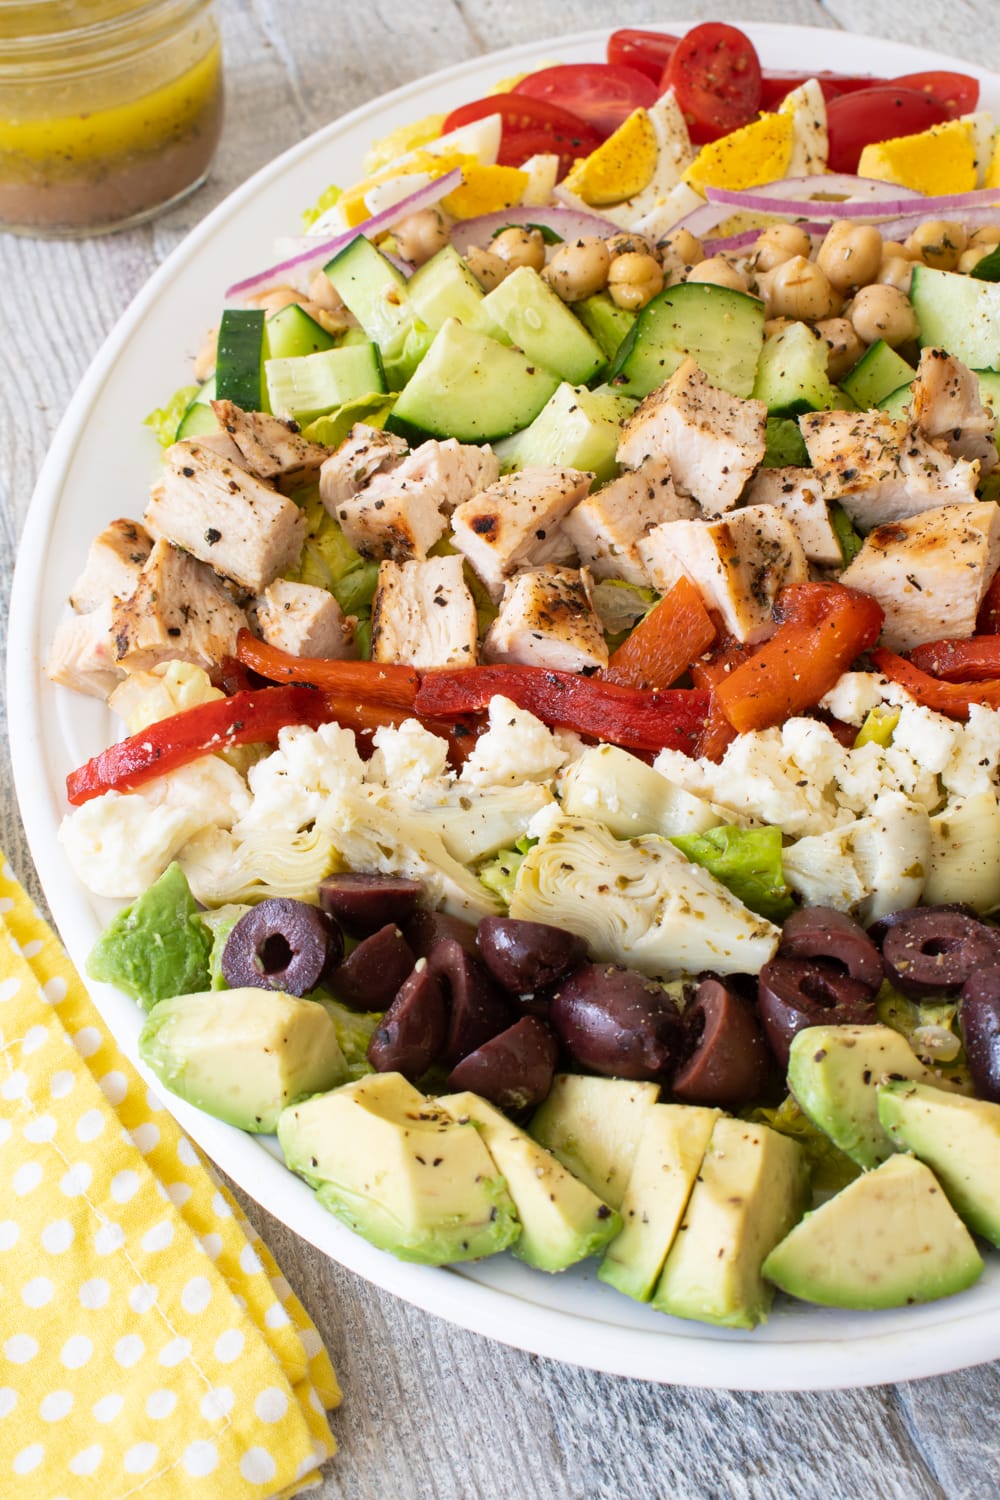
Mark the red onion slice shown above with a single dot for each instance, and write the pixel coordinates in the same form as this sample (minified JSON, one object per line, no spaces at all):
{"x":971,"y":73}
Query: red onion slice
{"x":971,"y":218}
{"x":904,"y":202}
{"x":311,"y":255}
{"x":749,"y":237}
{"x":568,"y":223}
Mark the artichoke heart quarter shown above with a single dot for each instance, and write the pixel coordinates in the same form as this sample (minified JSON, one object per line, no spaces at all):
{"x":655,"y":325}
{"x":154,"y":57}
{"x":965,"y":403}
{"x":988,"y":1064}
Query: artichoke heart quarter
{"x":639,"y":902}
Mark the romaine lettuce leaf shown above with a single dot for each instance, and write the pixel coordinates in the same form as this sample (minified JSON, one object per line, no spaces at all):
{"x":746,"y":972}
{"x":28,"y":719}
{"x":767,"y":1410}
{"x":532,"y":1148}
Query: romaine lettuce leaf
{"x":165,"y":420}
{"x":785,"y":445}
{"x":334,"y":426}
{"x":747,"y":861}
{"x":831,"y":1169}
{"x":327,"y":198}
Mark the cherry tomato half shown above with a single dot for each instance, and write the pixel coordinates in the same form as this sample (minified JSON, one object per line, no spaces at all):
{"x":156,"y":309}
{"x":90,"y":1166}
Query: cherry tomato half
{"x":776,"y":83}
{"x":854,"y":121}
{"x":958,"y":92}
{"x":646,"y":51}
{"x":603,"y":94}
{"x":530,"y":126}
{"x":714,"y":72}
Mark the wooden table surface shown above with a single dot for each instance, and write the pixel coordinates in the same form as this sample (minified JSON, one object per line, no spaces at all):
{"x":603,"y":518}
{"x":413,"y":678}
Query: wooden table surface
{"x":433,"y":1413}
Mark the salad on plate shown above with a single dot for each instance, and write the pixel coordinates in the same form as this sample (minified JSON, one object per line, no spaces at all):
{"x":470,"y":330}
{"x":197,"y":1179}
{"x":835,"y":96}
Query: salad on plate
{"x":559,"y":670}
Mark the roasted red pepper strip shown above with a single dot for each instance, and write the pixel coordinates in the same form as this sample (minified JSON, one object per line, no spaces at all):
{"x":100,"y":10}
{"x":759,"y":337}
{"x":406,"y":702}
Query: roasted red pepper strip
{"x":952,"y":699}
{"x":974,"y":660}
{"x":669,"y":720}
{"x":245,"y":719}
{"x":665,"y":643}
{"x":826,"y":627}
{"x":370,"y":682}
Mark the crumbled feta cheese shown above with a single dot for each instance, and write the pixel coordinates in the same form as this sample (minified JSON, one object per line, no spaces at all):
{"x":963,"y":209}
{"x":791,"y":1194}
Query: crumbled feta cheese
{"x":974,"y":764}
{"x":293,"y":786}
{"x":408,"y":760}
{"x":928,"y":738}
{"x":118,"y":844}
{"x":517,"y":747}
{"x":854,"y":695}
{"x":209,"y":789}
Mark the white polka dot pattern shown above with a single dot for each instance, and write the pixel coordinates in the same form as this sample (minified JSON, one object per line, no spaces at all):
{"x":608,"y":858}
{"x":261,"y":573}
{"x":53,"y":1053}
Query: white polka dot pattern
{"x":145,"y":1342}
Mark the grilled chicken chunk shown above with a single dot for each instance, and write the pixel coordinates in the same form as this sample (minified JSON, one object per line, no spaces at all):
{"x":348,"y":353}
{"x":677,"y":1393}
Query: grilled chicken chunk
{"x":930,"y":572}
{"x":712,"y":441}
{"x":226,"y":517}
{"x":516,"y":523}
{"x":82,"y":654}
{"x":546,"y":619}
{"x":403,"y":511}
{"x":605,"y":526}
{"x":114,"y":563}
{"x":365,"y":452}
{"x":799,"y":497}
{"x":423,"y":614}
{"x":882,"y":470}
{"x":304,"y":620}
{"x":738,"y":564}
{"x":271,"y":448}
{"x":946,"y":404}
{"x":180,"y":611}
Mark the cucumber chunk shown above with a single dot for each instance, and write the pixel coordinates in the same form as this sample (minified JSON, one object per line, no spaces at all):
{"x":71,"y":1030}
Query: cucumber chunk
{"x":878,"y":372}
{"x":722,"y":330}
{"x":540,"y":323}
{"x":958,"y":313}
{"x":791,"y":373}
{"x":239,"y":364}
{"x":376,"y":293}
{"x":292,"y":332}
{"x":605,"y":321}
{"x":445,"y":288}
{"x":989,"y":393}
{"x":576,"y":429}
{"x":199,"y":418}
{"x":471,"y":388}
{"x":313,"y":384}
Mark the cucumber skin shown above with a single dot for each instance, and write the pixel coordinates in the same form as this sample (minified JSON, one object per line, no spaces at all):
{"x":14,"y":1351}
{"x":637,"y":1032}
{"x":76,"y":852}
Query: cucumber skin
{"x":240,"y":358}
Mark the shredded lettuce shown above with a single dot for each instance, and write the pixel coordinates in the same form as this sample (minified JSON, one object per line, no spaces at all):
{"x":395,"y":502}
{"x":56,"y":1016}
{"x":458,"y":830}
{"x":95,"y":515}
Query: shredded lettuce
{"x":499,"y":874}
{"x":621,"y":605}
{"x":785,"y":445}
{"x":931,"y":1028}
{"x":328,"y":561}
{"x":327,"y":198}
{"x":831,"y":1169}
{"x":354,"y":1031}
{"x":334,"y":426}
{"x":849,"y":540}
{"x":165,"y":420}
{"x":747,"y":861}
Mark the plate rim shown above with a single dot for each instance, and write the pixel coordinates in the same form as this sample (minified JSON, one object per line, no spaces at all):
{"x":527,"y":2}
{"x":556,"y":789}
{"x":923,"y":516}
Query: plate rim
{"x":661,"y":1355}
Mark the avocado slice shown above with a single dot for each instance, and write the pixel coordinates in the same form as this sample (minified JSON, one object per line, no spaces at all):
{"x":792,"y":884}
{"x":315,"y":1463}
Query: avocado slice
{"x":672,"y":1146}
{"x":889,"y":1239}
{"x":562,"y":1221}
{"x":834,"y":1073}
{"x":752,"y":1187}
{"x":958,"y":1138}
{"x":156,"y":947}
{"x":400,"y":1171}
{"x":593,"y":1126}
{"x":244,"y":1054}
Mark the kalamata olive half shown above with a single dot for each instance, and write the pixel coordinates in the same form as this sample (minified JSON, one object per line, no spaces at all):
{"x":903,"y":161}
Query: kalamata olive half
{"x":525,"y":956}
{"x":478,"y":1010}
{"x":822,"y":932}
{"x":932,"y":950}
{"x":425,"y":929}
{"x":282,"y":945}
{"x":730,"y":1061}
{"x":794,"y":993}
{"x":617,"y":1022}
{"x":371,"y":976}
{"x":364,"y":903}
{"x":413,"y":1030}
{"x":979,"y":1022}
{"x":514,"y":1069}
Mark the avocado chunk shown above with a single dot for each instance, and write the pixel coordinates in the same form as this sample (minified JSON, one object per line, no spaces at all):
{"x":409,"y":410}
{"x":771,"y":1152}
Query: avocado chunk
{"x":958,"y":1138}
{"x":157,"y":947}
{"x":538,"y":321}
{"x":834,"y":1072}
{"x":672,"y":1146}
{"x":889,"y":1239}
{"x":593,"y":1126}
{"x":576,"y":429}
{"x":400,"y":1171}
{"x":562,"y":1221}
{"x":752,"y":1187}
{"x":242,"y":1055}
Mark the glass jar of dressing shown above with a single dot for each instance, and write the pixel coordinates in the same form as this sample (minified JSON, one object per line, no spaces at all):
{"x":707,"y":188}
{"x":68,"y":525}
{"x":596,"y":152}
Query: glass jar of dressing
{"x":109,"y":110}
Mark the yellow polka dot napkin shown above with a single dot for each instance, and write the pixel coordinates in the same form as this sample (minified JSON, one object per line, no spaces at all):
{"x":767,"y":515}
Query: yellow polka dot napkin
{"x":148,"y":1343}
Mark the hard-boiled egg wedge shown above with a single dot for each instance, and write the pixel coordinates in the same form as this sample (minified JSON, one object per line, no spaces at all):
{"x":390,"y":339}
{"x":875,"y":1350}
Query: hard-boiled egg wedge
{"x":673,"y":151}
{"x":937,"y":161}
{"x":756,"y":153}
{"x":810,"y":141}
{"x":983,"y":133}
{"x":620,"y":167}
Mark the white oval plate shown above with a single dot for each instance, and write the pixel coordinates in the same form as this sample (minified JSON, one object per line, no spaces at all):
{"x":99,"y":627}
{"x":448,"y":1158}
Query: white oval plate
{"x":100,"y":465}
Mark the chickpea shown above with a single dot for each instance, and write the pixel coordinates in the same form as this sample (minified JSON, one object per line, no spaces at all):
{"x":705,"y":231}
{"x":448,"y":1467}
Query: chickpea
{"x":850,"y":255}
{"x":988,"y":235}
{"x":420,"y":236}
{"x":883,"y":312}
{"x":938,"y":243}
{"x":799,"y":288}
{"x":579,"y":269}
{"x":681,"y":248}
{"x":488,"y":269}
{"x":969,"y":259}
{"x":774,"y":326}
{"x":520,"y":247}
{"x":274,"y":298}
{"x":718,"y":272}
{"x":627,"y":243}
{"x":324,"y":294}
{"x":894,"y":248}
{"x":897,"y":271}
{"x":779,"y":243}
{"x":843,"y":343}
{"x":634,"y":280}
{"x":204,"y":360}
